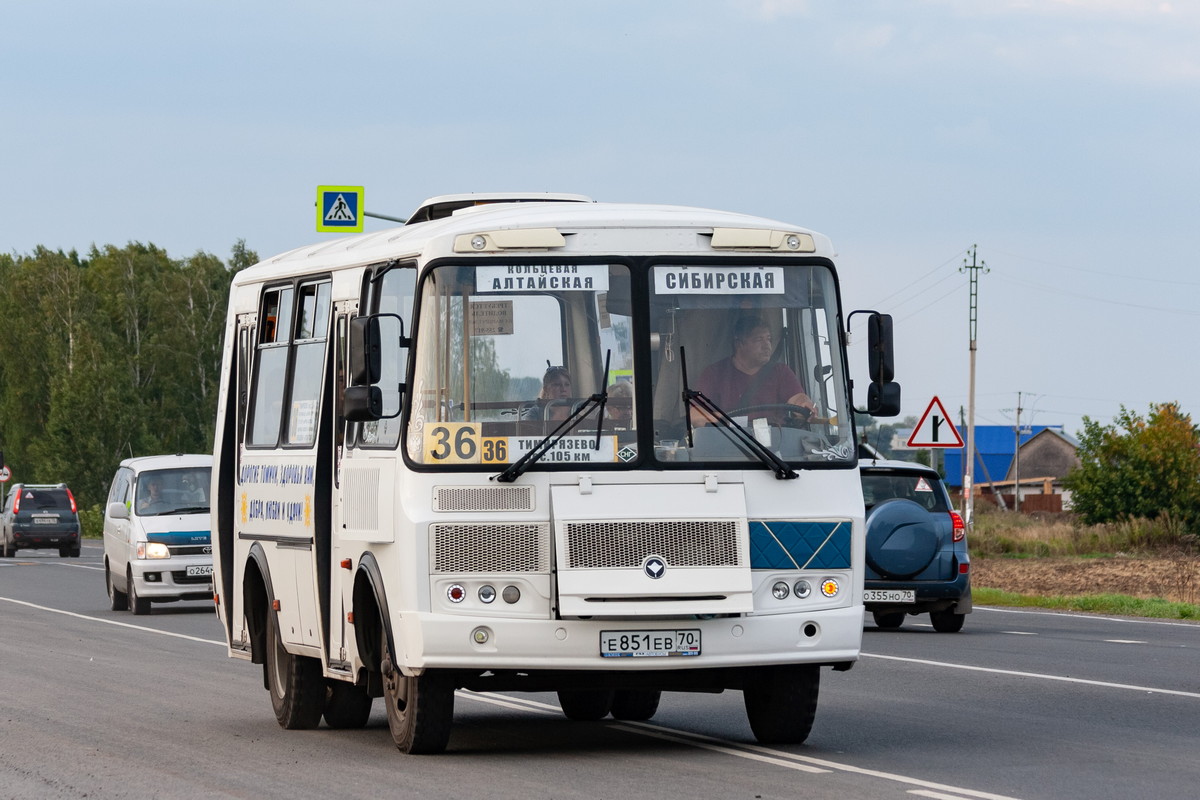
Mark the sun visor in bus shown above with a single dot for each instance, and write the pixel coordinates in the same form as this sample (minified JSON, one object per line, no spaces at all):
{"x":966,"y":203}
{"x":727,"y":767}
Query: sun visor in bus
{"x":618,"y":299}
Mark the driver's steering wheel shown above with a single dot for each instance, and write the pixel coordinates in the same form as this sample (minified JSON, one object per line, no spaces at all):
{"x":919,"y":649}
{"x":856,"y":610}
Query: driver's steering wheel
{"x":793,"y":416}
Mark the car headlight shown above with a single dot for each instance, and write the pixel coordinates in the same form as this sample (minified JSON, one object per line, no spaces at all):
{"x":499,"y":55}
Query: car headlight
{"x":153,"y":550}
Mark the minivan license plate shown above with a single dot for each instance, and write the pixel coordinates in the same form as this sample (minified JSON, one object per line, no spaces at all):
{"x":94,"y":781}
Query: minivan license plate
{"x":650,"y":644}
{"x":197,"y":571}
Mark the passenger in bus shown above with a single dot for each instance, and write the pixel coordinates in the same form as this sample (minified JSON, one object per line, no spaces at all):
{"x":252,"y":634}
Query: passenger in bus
{"x":619,"y":408}
{"x":551,"y":402}
{"x":749,"y":377}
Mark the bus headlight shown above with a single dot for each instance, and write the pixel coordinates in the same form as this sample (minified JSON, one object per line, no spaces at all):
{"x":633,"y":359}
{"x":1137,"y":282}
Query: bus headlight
{"x":780,"y":590}
{"x":487,"y":594}
{"x":802,"y":589}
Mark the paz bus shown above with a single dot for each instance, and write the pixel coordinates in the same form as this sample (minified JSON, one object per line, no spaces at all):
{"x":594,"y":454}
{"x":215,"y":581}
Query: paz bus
{"x":403,"y":511}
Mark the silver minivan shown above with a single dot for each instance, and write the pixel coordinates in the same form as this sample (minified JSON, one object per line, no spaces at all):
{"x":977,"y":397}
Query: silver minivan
{"x":157,"y":534}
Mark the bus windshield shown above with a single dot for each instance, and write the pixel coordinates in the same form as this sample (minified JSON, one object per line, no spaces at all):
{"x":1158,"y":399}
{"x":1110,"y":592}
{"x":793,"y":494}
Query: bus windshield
{"x":759,"y":344}
{"x":510,"y":353}
{"x":507,"y":352}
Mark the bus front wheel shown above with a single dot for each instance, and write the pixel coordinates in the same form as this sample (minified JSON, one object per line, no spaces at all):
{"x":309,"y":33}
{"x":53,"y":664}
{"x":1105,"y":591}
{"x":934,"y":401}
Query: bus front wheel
{"x":781,"y":702}
{"x":420,"y":709}
{"x":295,"y":682}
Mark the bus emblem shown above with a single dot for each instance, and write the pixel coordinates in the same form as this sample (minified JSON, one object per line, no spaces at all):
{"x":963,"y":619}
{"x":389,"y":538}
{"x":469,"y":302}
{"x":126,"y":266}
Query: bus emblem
{"x":654,"y":567}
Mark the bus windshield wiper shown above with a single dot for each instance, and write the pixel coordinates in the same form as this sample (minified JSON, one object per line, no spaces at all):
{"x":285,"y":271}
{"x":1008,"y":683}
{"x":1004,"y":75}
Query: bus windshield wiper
{"x":598,"y":400}
{"x":693,"y":398}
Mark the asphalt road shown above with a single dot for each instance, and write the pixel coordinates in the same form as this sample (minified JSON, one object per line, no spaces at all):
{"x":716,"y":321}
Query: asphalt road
{"x":102,"y":704}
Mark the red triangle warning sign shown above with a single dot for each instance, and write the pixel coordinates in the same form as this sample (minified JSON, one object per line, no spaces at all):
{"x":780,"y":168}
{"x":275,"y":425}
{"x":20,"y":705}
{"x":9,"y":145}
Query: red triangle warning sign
{"x":935,"y":428}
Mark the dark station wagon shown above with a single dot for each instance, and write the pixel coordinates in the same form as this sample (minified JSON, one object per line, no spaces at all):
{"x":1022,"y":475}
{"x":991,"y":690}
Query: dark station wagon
{"x":40,"y":517}
{"x":917,"y":558}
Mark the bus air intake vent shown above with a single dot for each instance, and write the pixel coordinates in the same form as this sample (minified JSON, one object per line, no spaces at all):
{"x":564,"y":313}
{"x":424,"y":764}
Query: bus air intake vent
{"x":682,"y":543}
{"x":491,"y":548}
{"x":483,"y":498}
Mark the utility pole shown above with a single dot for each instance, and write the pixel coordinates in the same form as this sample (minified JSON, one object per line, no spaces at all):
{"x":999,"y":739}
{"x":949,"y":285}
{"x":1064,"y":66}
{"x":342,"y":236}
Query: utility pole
{"x":1017,"y":461}
{"x":969,"y":464}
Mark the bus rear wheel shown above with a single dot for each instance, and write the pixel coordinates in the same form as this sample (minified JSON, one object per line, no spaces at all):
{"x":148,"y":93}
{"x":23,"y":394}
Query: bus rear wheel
{"x":420,"y":709}
{"x":635,"y":705}
{"x":295,"y":682}
{"x":781,"y":702}
{"x":348,"y":706}
{"x":585,"y":705}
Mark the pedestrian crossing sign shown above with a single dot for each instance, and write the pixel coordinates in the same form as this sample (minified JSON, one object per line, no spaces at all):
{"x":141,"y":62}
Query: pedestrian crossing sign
{"x":339,"y":208}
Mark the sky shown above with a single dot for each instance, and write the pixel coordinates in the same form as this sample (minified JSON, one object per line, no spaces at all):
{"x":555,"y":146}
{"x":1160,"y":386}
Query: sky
{"x":1056,"y":141}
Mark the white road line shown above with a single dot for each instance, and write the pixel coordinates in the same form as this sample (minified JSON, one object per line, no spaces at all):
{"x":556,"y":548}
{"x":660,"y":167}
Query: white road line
{"x":935,"y":795}
{"x":1041,"y":676}
{"x":742,"y":750}
{"x":1097,"y":617}
{"x":1020,"y":633}
{"x":113,"y":622}
{"x":1124,"y":641}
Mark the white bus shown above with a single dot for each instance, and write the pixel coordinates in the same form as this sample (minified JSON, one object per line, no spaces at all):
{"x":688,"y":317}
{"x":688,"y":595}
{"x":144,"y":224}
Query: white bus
{"x":539,"y":443}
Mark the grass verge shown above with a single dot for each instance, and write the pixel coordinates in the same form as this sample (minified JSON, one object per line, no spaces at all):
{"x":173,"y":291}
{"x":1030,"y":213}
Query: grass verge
{"x":1115,"y":604}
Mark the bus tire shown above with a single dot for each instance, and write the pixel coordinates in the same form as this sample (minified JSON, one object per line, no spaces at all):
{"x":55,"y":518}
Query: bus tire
{"x":585,"y":705}
{"x":635,"y":705}
{"x":781,"y":702}
{"x":117,"y":600}
{"x":420,"y":709}
{"x":348,"y":706}
{"x":295,"y":682}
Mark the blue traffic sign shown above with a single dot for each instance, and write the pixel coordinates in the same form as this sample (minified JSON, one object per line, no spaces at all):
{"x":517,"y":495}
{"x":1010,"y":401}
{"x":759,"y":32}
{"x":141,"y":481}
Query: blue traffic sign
{"x":339,"y":208}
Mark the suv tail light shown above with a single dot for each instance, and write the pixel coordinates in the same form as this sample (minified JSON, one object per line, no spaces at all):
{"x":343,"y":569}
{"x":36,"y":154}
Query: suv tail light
{"x":960,"y":530}
{"x":75,"y":509}
{"x":17,"y":504}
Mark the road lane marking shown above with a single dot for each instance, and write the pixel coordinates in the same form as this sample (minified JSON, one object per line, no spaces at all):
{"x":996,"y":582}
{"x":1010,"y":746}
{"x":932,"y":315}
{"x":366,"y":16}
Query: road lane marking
{"x":1077,"y":615}
{"x":1124,"y":641}
{"x":935,"y":795}
{"x":741,"y":749}
{"x":1020,"y":633}
{"x":113,"y":622}
{"x":1040,"y":675}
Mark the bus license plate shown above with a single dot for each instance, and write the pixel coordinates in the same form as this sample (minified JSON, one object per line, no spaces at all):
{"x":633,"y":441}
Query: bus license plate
{"x":204,"y":569}
{"x":649,"y":644}
{"x":889,"y":595}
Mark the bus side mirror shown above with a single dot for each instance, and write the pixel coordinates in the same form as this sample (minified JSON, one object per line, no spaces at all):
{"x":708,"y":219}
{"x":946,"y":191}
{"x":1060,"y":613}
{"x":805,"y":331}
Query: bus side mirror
{"x":879,"y":344}
{"x":366,"y":352}
{"x":362,"y":404}
{"x":883,"y":393}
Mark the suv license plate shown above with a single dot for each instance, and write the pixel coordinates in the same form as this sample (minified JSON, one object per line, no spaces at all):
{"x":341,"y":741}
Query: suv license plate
{"x":649,"y":644}
{"x":889,"y":595}
{"x":205,"y":569}
{"x":45,"y":520}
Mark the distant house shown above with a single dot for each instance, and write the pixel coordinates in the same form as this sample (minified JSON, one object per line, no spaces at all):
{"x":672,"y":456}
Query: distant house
{"x":1047,"y":455}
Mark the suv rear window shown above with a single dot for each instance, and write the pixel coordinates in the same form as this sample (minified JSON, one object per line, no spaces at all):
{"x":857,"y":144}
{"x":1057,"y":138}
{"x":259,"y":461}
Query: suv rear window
{"x":923,"y":490}
{"x":45,"y":500}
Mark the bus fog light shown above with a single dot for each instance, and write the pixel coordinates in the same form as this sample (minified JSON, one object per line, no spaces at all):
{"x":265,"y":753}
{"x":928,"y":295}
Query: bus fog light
{"x":487,"y":594}
{"x":456,"y":593}
{"x":780,"y":590}
{"x":802,"y":589}
{"x":511,"y":594}
{"x":481,"y":635}
{"x":830,"y":587}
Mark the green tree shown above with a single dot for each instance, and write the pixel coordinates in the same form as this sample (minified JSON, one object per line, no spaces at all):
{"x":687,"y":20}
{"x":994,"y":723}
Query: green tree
{"x":1138,"y":467}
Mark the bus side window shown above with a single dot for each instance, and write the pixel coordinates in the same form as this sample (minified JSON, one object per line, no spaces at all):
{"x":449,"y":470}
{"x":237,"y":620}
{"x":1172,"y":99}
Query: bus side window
{"x":391,"y":294}
{"x":266,"y":407}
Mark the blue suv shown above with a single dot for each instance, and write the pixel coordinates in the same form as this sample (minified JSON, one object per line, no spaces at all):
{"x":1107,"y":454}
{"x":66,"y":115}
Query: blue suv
{"x":916,"y":547}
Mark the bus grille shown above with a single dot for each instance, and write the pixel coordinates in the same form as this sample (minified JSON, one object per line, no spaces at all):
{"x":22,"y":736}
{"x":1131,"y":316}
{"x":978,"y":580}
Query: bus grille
{"x":682,"y":543}
{"x":483,"y":498}
{"x":490,"y":548}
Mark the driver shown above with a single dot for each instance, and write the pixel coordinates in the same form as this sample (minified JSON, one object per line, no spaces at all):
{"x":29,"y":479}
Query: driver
{"x":152,"y":496}
{"x":749,"y":377}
